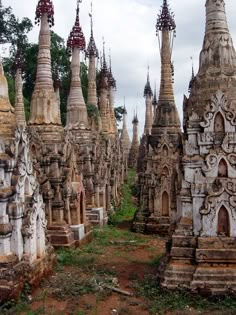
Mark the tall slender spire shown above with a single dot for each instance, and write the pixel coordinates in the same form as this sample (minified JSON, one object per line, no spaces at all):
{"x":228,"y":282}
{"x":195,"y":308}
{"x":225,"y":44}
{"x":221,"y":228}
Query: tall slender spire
{"x":7,"y":117}
{"x":192,"y":79}
{"x":154,"y":102}
{"x":134,"y":149}
{"x":104,"y":94}
{"x":112,"y":88}
{"x":92,"y":54}
{"x":77,"y":117}
{"x":166,"y":114}
{"x":44,"y":108}
{"x":218,"y":50}
{"x":124,"y":133}
{"x":148,"y":94}
{"x":19,"y":99}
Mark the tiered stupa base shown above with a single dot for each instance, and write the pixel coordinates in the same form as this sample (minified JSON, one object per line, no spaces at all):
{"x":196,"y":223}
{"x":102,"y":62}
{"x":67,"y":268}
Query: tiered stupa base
{"x":14,"y":275}
{"x":143,"y":223}
{"x":205,"y":265}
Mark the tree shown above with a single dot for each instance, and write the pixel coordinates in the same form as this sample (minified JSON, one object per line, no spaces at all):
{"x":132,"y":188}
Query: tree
{"x":12,"y":30}
{"x":119,"y":111}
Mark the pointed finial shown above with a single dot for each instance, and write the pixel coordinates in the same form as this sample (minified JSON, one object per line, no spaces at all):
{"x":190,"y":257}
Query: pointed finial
{"x":104,"y":64}
{"x":92,"y":48}
{"x":192,"y":78}
{"x":111,"y":80}
{"x":110,"y":58}
{"x":147,"y":88}
{"x":76,"y":37}
{"x":154,"y":102}
{"x":91,"y":17}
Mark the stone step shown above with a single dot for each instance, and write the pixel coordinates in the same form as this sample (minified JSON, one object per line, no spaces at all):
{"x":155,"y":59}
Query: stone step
{"x":213,"y":284}
{"x":92,"y":216}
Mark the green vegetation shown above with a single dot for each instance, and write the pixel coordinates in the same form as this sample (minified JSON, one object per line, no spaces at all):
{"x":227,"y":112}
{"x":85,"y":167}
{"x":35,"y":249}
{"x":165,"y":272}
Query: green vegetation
{"x":127,"y":207}
{"x":160,"y":301}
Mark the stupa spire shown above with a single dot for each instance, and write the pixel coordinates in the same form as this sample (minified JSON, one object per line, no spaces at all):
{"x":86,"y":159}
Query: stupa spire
{"x":134,"y":149}
{"x":218,"y":50}
{"x":92,"y":54}
{"x":7,"y":116}
{"x":19,"y":99}
{"x":44,"y":108}
{"x":148,"y":94}
{"x":104,"y":94}
{"x":154,"y":102}
{"x":92,"y":48}
{"x":112,"y":88}
{"x":192,"y":78}
{"x":165,"y":27}
{"x":77,"y":117}
{"x":124,"y":133}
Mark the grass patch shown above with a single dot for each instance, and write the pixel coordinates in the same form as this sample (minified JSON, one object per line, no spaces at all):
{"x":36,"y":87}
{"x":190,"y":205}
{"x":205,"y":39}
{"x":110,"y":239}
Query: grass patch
{"x":160,"y":301}
{"x":110,"y":234}
{"x":75,"y":257}
{"x":127,"y":208}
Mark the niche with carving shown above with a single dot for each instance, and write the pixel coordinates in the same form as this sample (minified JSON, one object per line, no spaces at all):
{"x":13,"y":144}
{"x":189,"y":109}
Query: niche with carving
{"x":165,"y":204}
{"x":219,"y":123}
{"x":223,"y":222}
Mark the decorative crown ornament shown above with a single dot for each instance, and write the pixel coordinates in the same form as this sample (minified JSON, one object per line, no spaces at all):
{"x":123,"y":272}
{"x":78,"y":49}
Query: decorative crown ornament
{"x":76,"y":37}
{"x":165,"y":20}
{"x":45,"y":6}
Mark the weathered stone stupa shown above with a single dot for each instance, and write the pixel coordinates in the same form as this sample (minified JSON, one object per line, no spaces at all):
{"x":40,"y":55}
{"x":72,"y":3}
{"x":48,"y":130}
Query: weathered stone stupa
{"x":160,"y":176}
{"x":54,"y":153}
{"x":134,"y":149}
{"x":25,"y":256}
{"x":203,"y":252}
{"x":125,"y":135}
{"x":148,"y":99}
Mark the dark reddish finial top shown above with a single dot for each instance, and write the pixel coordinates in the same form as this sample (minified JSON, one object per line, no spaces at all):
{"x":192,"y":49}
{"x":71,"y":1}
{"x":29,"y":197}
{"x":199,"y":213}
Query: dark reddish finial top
{"x":104,"y":71}
{"x":154,"y":102}
{"x":92,"y":48}
{"x":76,"y":37}
{"x":135,"y":119}
{"x":111,"y":80}
{"x":165,"y":20}
{"x":45,"y":6}
{"x":192,"y":79}
{"x":18,"y":62}
{"x":147,"y":88}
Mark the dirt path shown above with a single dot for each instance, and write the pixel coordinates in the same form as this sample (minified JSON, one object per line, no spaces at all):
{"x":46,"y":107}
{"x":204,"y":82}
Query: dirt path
{"x":117,"y":258}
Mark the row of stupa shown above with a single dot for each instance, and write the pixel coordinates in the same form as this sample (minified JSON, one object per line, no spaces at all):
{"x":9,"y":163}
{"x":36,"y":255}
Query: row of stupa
{"x":55,"y":182}
{"x":187,"y":179}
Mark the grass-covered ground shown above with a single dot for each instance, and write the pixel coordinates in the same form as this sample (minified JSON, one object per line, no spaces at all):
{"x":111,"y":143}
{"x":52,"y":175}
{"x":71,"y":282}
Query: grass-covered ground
{"x":83,"y":278}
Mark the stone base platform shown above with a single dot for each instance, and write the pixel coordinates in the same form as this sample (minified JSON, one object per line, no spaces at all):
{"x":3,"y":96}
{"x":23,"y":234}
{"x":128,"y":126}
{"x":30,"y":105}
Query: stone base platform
{"x":14,"y":274}
{"x":97,"y":216}
{"x":60,"y":235}
{"x":150,"y":225}
{"x":204,"y":265}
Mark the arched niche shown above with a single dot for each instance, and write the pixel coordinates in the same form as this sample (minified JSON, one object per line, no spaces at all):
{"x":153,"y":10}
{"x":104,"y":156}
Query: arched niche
{"x":165,"y":204}
{"x":222,"y":168}
{"x":165,"y":150}
{"x":223,"y":222}
{"x":219,"y":123}
{"x":165,"y":171}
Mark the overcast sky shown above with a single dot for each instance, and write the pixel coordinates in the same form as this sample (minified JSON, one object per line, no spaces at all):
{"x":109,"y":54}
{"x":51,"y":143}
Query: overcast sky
{"x":128,"y":27}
